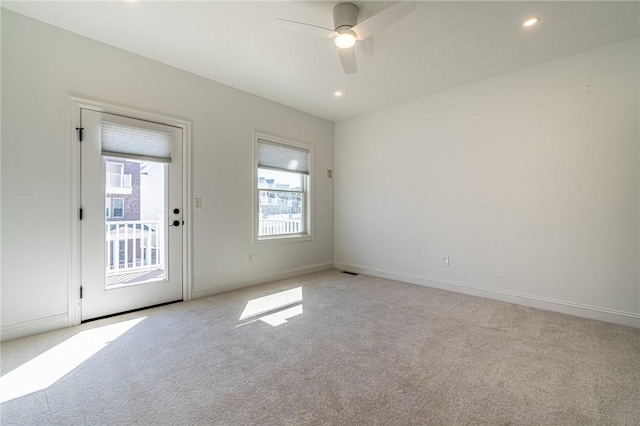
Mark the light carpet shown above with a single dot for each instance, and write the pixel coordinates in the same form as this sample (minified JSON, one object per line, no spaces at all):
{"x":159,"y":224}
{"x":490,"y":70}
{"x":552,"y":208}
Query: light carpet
{"x":356,"y":350}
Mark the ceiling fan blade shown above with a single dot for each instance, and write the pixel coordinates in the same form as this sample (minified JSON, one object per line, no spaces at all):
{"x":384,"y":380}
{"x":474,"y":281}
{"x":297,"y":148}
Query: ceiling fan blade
{"x":306,"y":28}
{"x":368,"y":46}
{"x":383,"y":19}
{"x":348,"y":60}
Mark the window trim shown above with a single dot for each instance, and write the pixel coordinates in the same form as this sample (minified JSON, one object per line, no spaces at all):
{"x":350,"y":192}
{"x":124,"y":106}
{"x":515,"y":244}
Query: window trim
{"x":307,"y":194}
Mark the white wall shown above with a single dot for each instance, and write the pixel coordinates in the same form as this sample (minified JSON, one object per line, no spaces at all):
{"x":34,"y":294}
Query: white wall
{"x":529,"y":182}
{"x":42,"y":67}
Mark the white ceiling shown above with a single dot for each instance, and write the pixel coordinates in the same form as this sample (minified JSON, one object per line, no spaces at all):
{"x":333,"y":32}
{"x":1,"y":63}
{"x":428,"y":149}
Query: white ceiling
{"x":440,"y":46}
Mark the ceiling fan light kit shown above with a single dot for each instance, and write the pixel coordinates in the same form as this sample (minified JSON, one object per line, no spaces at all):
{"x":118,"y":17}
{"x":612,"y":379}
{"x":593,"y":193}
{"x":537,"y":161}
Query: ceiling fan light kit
{"x":345,"y":40}
{"x":347,"y":31}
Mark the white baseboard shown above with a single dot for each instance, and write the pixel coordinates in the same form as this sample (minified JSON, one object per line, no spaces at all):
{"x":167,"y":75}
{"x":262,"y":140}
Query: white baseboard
{"x":41,"y":325}
{"x":37,"y":326}
{"x":570,"y":308}
{"x":260,"y":279}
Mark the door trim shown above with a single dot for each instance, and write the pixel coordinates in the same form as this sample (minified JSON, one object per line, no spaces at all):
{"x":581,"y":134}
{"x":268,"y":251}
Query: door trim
{"x":76,"y":104}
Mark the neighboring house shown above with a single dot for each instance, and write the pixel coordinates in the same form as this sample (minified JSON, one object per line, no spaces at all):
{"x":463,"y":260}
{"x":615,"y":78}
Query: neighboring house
{"x":122,"y":189}
{"x":277,"y":203}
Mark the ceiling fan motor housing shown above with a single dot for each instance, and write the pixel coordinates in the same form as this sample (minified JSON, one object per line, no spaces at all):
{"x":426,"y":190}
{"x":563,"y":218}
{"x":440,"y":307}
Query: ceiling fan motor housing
{"x":345,"y":16}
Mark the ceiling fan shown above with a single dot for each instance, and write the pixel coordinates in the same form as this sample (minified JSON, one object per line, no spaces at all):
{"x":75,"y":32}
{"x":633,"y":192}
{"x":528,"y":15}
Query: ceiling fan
{"x":347,"y":31}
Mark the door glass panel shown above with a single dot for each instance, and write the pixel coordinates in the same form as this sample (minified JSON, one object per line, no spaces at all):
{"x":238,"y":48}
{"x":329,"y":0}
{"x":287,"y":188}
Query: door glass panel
{"x":135,"y":212}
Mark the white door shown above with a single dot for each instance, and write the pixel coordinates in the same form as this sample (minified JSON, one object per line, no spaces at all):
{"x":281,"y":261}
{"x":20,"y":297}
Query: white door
{"x":132,"y":227}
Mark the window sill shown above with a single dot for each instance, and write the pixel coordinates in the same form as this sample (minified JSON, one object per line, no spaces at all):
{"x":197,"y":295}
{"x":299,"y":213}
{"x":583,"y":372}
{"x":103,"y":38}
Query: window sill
{"x":283,"y":238}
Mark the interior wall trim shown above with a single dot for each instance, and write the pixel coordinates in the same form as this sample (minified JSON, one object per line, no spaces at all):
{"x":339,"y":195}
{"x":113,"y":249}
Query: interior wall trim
{"x":553,"y":305}
{"x":259,"y":279}
{"x":36,"y":326}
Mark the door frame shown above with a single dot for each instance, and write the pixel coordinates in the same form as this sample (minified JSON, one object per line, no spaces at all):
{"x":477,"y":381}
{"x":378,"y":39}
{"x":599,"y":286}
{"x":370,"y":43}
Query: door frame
{"x":76,"y":104}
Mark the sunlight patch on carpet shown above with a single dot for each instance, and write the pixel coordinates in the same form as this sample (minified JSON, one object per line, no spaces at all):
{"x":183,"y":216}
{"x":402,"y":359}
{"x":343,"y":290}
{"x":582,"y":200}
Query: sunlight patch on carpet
{"x":275,"y":302}
{"x":52,"y":365}
{"x":281,"y":317}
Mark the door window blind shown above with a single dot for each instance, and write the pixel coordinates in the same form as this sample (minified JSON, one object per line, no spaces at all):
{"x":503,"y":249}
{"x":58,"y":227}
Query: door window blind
{"x":133,"y":142}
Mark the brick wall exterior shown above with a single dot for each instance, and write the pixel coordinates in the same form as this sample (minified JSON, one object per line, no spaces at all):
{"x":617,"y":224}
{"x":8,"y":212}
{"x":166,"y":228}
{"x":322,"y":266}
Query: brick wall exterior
{"x":131,"y":201}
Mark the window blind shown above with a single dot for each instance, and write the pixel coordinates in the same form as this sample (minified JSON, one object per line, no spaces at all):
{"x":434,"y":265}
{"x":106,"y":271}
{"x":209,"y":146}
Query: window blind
{"x":132,"y":142}
{"x":275,"y":156}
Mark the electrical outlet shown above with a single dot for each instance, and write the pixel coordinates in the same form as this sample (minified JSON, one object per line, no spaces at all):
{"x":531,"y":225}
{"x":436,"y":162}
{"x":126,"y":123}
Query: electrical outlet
{"x":197,"y":203}
{"x":445,"y":261}
{"x":250,"y":258}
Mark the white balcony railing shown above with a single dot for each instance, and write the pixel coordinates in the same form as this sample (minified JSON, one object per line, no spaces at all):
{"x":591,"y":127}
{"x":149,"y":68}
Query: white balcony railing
{"x":134,"y":245}
{"x":279,"y":226}
{"x":118,"y":183}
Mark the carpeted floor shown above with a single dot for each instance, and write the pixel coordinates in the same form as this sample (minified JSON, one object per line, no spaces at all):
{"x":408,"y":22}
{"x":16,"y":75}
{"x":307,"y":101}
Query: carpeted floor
{"x":356,"y":350}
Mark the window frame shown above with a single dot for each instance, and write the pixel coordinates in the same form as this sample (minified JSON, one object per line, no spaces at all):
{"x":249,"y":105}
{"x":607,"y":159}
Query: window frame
{"x":307,"y":193}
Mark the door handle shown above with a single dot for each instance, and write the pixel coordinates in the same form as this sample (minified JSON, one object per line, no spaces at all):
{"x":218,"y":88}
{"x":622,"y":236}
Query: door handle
{"x":175,"y":223}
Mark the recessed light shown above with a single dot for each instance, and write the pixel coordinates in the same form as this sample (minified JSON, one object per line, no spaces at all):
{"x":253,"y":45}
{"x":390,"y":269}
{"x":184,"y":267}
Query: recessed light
{"x":531,"y":21}
{"x":337,"y":94}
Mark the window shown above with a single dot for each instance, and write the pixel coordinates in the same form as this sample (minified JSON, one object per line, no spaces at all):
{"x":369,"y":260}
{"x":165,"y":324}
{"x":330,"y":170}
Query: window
{"x":118,"y":207}
{"x":283,"y":173}
{"x":115,"y":168}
